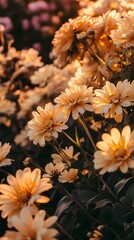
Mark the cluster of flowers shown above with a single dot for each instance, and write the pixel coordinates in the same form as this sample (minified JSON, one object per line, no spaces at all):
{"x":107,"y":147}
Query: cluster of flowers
{"x":89,"y":103}
{"x":25,"y":83}
{"x":36,"y":21}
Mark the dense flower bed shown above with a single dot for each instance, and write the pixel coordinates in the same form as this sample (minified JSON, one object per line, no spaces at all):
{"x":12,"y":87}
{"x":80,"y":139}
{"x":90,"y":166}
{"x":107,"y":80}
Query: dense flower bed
{"x":67,"y":131}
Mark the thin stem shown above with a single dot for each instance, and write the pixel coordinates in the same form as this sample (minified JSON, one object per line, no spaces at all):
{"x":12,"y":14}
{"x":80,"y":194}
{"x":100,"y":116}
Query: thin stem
{"x":77,"y":145}
{"x":81,"y":206}
{"x":87,"y":132}
{"x":63,"y":230}
{"x":112,"y":193}
{"x":94,"y":53}
{"x":7,"y":173}
{"x":38,"y":166}
{"x":16,"y":74}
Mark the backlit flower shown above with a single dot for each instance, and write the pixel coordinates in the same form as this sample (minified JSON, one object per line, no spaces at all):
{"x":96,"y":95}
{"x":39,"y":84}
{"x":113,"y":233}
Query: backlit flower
{"x":111,"y":99}
{"x":53,"y":170}
{"x":32,"y":227}
{"x":66,"y":155}
{"x":115,"y":151}
{"x":46,"y":124}
{"x":67,"y":39}
{"x":75,"y":100}
{"x":68,"y":176}
{"x":29,"y":58}
{"x":22,"y":190}
{"x":22,"y":138}
{"x":124,"y":34}
{"x":4,"y":150}
{"x":43,"y":74}
{"x":7,"y":107}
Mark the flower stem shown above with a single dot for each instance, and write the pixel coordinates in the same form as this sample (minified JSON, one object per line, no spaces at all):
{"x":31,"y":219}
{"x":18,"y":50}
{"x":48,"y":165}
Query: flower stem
{"x":112,"y":193}
{"x":77,"y":145}
{"x":63,"y":230}
{"x":87,"y":132}
{"x":81,"y":206}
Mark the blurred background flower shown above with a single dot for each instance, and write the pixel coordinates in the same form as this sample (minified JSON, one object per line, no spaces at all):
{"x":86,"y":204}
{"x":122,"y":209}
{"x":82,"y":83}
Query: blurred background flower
{"x":33,"y":23}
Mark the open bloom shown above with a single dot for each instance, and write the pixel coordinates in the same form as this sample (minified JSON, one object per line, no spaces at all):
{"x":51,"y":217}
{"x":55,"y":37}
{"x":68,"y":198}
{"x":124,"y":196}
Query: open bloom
{"x":111,"y":99}
{"x":115,"y":151}
{"x":54,"y":170}
{"x":4,"y":150}
{"x":23,"y":190}
{"x":124,"y":34}
{"x":46,"y":124}
{"x":67,"y":40}
{"x":67,"y":155}
{"x":68,"y":175}
{"x":75,"y":100}
{"x":29,"y":227}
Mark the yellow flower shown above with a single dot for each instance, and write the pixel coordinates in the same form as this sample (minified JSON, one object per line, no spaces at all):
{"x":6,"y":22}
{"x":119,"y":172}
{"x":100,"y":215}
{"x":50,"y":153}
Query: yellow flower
{"x":111,"y":99}
{"x":75,"y":100}
{"x":124,"y":34}
{"x":68,"y":176}
{"x":29,"y":58}
{"x":66,"y":155}
{"x":46,"y":124}
{"x":23,"y":190}
{"x":29,"y":227}
{"x":115,"y":151}
{"x":7,"y":107}
{"x":67,"y":39}
{"x":54,"y":170}
{"x":4,"y":150}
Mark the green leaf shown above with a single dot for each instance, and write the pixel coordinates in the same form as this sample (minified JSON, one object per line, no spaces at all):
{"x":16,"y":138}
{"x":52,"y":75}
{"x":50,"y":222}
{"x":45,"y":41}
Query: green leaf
{"x":77,"y":137}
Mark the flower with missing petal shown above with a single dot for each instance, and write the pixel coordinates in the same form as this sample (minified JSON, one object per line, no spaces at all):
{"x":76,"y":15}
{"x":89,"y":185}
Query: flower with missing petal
{"x":4,"y":150}
{"x":46,"y":124}
{"x":115,"y":151}
{"x":111,"y":99}
{"x":32,"y":227}
{"x":68,"y":175}
{"x":75,"y":100}
{"x":22,"y":190}
{"x":66,"y":155}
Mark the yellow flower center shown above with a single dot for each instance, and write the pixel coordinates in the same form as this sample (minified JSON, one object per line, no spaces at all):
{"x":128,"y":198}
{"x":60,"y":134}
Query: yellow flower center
{"x":23,"y":197}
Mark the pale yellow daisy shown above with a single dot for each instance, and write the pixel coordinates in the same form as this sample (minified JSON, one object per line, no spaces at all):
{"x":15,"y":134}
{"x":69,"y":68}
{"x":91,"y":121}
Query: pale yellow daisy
{"x":23,"y":190}
{"x":116,"y":151}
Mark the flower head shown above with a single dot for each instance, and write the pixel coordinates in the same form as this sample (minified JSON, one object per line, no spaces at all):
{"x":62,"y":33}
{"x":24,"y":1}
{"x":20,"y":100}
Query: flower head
{"x":111,"y":99}
{"x":46,"y":124}
{"x":67,"y":39}
{"x":22,"y":190}
{"x":4,"y":150}
{"x":32,"y":227}
{"x":66,"y":155}
{"x":115,"y":151}
{"x":75,"y":100}
{"x":124,"y":34}
{"x":30,"y":58}
{"x":68,"y":175}
{"x":54,"y":170}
